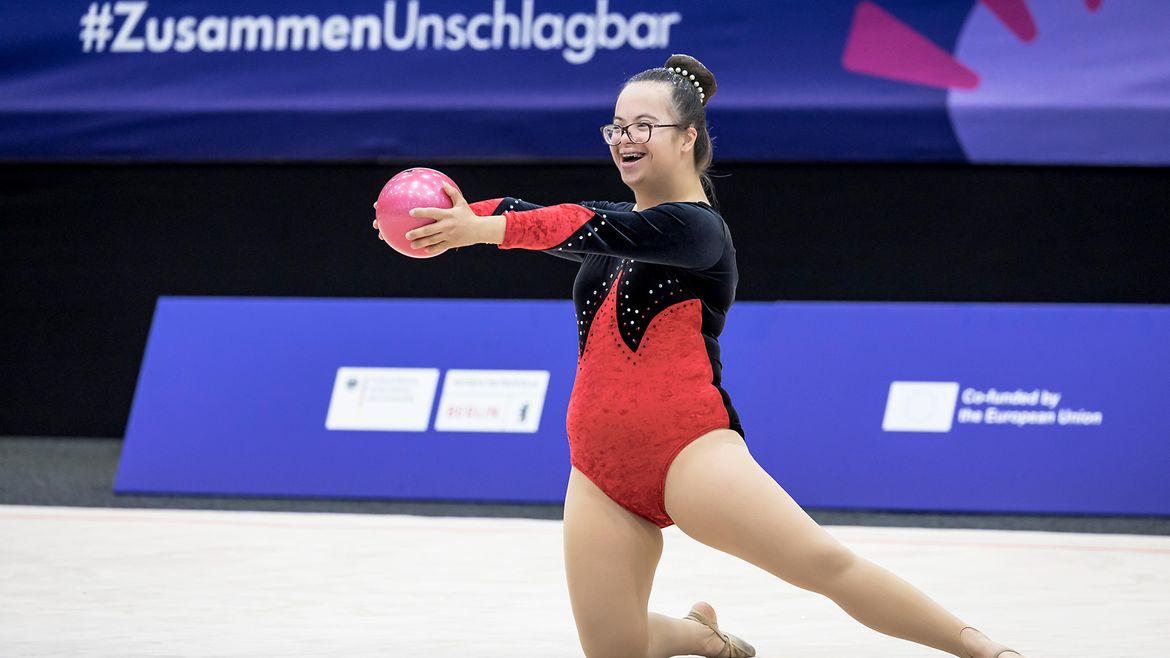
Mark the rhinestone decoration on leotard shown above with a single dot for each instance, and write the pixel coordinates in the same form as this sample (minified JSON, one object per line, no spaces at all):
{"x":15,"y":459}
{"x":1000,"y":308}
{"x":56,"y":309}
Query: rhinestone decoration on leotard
{"x":641,"y":291}
{"x":635,"y":310}
{"x":646,"y":291}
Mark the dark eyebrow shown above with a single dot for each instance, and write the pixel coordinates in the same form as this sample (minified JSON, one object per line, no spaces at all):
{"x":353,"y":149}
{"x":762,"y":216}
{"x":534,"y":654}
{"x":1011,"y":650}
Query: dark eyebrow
{"x":640,"y":116}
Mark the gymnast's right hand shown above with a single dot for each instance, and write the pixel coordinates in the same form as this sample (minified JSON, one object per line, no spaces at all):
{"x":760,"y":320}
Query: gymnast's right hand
{"x":453,"y":227}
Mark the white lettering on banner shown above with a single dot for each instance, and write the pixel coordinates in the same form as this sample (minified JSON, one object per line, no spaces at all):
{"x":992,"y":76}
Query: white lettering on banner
{"x":251,"y":32}
{"x":133,"y":11}
{"x":1079,"y":417}
{"x":996,"y":416}
{"x":921,"y":407}
{"x":577,"y":36}
{"x":1016,"y":398}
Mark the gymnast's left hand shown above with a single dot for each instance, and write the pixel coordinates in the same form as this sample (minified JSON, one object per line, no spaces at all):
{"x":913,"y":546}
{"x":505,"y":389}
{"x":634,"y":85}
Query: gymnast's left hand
{"x":453,"y":227}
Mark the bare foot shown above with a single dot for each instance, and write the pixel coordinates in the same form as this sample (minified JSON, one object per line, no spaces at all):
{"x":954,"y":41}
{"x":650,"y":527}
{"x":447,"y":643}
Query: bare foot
{"x":978,"y":645}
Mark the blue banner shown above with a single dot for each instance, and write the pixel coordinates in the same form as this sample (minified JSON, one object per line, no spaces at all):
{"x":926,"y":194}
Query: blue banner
{"x":1015,"y":81}
{"x":961,"y":407}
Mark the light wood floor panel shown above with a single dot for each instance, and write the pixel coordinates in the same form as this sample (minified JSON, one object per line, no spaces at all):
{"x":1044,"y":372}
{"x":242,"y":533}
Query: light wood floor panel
{"x":137,"y":583}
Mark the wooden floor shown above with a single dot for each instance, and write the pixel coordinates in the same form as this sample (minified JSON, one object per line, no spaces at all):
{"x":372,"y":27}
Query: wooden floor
{"x":158,"y":583}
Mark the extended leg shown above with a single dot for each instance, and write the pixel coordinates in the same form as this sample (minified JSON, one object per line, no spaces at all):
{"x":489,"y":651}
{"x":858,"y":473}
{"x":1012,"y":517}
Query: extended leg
{"x":718,"y":494}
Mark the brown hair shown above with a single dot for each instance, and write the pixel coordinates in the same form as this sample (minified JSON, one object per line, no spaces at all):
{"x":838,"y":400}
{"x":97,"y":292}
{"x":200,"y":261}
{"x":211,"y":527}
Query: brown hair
{"x":692,"y":86}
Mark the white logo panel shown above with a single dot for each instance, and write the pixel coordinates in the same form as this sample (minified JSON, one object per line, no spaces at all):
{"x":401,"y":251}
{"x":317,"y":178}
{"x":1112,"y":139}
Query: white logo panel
{"x":386,"y":399}
{"x":492,"y":401}
{"x":920,"y":406}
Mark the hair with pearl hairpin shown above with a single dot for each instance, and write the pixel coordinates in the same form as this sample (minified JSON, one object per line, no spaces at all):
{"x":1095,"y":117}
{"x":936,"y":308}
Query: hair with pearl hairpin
{"x":690,"y":77}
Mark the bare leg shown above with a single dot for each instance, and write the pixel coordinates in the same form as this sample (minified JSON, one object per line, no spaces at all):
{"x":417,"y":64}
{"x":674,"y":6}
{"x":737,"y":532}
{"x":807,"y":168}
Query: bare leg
{"x":718,"y":494}
{"x":610,"y":558}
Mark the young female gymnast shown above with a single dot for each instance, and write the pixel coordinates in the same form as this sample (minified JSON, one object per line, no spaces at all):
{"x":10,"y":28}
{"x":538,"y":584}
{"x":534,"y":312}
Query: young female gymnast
{"x":653,"y":437}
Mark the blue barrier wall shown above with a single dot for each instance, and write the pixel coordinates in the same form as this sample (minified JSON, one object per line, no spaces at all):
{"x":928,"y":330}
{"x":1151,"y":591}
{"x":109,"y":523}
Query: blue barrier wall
{"x":963,"y":407}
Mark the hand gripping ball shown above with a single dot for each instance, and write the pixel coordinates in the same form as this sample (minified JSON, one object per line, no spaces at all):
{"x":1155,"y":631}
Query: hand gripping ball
{"x":417,"y":187}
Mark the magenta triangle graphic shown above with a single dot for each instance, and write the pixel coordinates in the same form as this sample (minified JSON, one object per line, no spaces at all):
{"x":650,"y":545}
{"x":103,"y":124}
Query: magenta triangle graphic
{"x":1093,"y":5}
{"x":880,"y":45}
{"x":1015,"y":15}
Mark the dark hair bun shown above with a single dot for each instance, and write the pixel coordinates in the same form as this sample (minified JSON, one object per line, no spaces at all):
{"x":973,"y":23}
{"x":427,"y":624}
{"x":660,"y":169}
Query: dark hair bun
{"x":692,"y":66}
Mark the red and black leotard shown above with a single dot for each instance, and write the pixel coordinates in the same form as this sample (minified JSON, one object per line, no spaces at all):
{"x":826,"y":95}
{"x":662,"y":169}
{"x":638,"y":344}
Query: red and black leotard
{"x":651,"y":298}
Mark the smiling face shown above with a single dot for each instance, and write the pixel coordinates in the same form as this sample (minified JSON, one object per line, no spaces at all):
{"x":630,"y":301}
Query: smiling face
{"x":670,"y":152}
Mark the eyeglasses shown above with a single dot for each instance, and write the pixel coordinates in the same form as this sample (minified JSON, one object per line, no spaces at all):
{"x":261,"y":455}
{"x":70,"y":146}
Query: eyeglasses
{"x":639,"y":133}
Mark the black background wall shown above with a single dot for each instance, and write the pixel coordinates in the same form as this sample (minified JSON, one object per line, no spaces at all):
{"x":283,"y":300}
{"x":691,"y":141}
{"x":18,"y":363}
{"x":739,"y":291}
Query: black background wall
{"x":85,"y":250}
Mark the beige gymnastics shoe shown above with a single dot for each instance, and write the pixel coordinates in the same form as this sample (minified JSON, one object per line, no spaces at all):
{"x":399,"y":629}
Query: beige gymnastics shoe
{"x":733,"y":646}
{"x":1001,"y":651}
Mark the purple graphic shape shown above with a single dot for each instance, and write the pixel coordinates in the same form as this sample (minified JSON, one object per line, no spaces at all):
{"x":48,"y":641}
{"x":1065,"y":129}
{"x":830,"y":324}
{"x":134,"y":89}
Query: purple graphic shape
{"x":881,"y":45}
{"x":1092,"y":88}
{"x":1015,"y":15}
{"x":1093,"y":5}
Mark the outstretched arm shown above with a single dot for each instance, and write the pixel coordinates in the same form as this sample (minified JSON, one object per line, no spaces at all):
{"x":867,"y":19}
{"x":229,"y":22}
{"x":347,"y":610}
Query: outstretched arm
{"x":497,"y":207}
{"x":679,"y":234}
